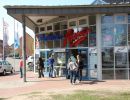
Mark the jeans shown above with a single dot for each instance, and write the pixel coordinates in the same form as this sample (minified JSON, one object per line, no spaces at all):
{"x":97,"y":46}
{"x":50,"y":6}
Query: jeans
{"x":80,"y":74}
{"x":51,"y":71}
{"x":21,"y":72}
{"x":72,"y":76}
{"x":40,"y":72}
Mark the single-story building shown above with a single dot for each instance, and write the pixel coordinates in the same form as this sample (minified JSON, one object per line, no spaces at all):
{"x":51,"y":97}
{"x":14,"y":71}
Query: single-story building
{"x":100,"y":33}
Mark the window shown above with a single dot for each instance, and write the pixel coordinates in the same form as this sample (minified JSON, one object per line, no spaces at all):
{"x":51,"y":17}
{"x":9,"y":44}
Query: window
{"x":82,"y":21}
{"x":72,"y":23}
{"x":49,"y":28}
{"x":42,"y":29}
{"x":121,"y":18}
{"x":107,"y":19}
{"x":56,"y":26}
{"x":107,"y":58}
{"x":120,"y":34}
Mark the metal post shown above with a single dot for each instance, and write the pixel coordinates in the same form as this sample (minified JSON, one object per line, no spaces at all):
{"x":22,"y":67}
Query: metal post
{"x":98,"y":42}
{"x":24,"y":48}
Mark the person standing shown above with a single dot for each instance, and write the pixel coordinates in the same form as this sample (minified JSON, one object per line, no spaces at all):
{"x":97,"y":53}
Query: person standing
{"x":80,"y":67}
{"x":72,"y":66}
{"x":40,"y":67}
{"x":51,"y":65}
{"x":21,"y":68}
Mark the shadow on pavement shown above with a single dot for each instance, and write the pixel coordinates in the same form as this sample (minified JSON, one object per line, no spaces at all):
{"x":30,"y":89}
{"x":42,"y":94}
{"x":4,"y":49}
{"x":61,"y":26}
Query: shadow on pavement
{"x":91,"y":82}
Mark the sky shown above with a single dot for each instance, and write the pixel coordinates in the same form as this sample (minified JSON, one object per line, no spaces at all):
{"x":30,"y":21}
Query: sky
{"x":10,"y":20}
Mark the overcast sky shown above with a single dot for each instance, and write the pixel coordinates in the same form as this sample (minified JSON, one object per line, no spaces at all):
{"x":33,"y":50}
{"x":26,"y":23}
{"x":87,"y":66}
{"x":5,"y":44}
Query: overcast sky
{"x":10,"y":20}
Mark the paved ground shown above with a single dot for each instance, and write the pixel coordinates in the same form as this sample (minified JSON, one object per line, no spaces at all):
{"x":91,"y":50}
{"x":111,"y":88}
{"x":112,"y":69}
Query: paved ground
{"x":12,"y":85}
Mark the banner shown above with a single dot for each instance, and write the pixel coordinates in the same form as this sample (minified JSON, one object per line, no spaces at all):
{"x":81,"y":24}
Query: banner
{"x":16,"y":40}
{"x":5,"y":33}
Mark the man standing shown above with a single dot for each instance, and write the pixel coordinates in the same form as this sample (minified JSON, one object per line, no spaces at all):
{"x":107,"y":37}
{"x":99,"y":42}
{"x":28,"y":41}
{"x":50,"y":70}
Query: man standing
{"x":51,"y":65}
{"x":21,"y":68}
{"x":40,"y":67}
{"x":80,"y":67}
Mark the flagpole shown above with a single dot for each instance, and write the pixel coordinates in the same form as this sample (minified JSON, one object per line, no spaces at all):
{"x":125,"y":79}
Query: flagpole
{"x":14,"y":44}
{"x":3,"y":37}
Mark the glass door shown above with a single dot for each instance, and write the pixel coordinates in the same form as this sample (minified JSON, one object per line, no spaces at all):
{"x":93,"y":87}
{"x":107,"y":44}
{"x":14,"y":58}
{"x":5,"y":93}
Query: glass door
{"x":84,"y":57}
{"x":92,"y":69}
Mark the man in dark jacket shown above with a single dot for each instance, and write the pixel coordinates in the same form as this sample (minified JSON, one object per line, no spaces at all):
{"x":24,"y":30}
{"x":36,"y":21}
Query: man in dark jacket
{"x":40,"y":67}
{"x":80,"y":67}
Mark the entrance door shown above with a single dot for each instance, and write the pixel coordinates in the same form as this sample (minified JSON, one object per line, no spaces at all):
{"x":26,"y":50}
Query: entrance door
{"x":84,"y":57}
{"x":92,"y":74}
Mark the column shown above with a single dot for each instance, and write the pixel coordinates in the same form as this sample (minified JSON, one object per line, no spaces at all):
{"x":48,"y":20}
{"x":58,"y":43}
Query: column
{"x":24,"y":47}
{"x":99,"y":48}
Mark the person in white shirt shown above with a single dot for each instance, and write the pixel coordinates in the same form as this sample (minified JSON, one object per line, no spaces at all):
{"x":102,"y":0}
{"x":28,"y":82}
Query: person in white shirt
{"x":73,"y":67}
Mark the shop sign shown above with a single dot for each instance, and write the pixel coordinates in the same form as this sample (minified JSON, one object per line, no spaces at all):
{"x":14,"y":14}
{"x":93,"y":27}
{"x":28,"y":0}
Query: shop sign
{"x":49,"y":37}
{"x":120,"y":49}
{"x":74,"y":39}
{"x":93,"y":73}
{"x":92,"y":50}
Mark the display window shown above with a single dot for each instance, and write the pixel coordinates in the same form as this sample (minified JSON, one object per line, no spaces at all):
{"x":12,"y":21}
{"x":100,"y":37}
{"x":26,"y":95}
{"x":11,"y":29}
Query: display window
{"x":120,"y":35}
{"x":107,"y":57}
{"x":107,"y":34}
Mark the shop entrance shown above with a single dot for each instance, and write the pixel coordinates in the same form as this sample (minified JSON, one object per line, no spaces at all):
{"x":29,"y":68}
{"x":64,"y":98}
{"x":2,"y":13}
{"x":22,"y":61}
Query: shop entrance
{"x":89,"y":57}
{"x":84,"y":56}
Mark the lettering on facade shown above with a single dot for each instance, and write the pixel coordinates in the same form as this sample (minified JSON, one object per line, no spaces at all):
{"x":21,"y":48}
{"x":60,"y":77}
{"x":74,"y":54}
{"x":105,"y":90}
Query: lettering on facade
{"x":73,"y":39}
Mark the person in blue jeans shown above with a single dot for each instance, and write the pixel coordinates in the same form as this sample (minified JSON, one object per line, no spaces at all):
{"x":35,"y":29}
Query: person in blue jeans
{"x":73,"y":67}
{"x":51,"y":65}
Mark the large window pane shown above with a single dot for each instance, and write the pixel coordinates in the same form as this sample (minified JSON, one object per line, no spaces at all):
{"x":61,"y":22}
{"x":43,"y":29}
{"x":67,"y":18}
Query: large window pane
{"x":120,"y":34}
{"x":107,"y":58}
{"x":107,"y":19}
{"x":92,"y":36}
{"x":121,"y":74}
{"x":84,"y":42}
{"x":107,"y":74}
{"x":120,"y":60}
{"x":107,"y":34}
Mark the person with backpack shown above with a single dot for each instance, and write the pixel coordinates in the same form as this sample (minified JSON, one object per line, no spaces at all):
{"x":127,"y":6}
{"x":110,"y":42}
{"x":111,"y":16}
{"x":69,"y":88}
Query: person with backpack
{"x":40,"y":67}
{"x":73,"y":67}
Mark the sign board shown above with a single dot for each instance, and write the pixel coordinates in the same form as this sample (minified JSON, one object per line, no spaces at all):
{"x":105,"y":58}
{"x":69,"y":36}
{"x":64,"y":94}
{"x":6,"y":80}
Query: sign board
{"x":120,"y":49}
{"x":92,"y":50}
{"x":93,"y":73}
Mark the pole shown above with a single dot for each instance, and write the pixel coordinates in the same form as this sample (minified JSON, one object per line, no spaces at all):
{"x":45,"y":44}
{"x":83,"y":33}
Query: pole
{"x":3,"y":37}
{"x":24,"y":48}
{"x":14,"y":44}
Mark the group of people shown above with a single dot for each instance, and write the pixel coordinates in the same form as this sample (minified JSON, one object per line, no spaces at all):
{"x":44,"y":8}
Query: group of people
{"x":75,"y":69}
{"x":41,"y":66}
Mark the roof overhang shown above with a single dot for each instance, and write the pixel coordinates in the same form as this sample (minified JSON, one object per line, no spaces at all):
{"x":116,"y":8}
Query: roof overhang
{"x":49,"y":12}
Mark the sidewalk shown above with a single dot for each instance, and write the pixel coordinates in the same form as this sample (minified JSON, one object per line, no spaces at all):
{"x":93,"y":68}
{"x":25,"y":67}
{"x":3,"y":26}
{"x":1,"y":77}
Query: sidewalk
{"x":12,"y":85}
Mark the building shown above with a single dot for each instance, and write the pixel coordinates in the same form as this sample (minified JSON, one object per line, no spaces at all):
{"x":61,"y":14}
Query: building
{"x":29,"y":46}
{"x":99,"y":32}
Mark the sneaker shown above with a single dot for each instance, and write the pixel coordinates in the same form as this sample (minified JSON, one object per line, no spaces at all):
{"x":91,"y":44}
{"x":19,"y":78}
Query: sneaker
{"x":78,"y":81}
{"x":73,"y":83}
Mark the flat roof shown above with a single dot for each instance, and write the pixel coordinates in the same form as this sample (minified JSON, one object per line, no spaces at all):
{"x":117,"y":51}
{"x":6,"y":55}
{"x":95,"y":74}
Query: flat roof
{"x":62,"y":10}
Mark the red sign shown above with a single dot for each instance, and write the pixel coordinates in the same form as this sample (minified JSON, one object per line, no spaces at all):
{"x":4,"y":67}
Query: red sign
{"x":74,"y":39}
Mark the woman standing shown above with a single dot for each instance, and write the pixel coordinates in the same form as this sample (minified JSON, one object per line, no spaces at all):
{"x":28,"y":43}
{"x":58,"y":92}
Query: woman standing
{"x":72,"y":66}
{"x":40,"y":67}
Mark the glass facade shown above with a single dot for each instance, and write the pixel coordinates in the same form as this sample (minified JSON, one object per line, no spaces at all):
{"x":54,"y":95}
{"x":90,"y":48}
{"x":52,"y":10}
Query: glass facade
{"x":115,"y":58}
{"x":78,"y":35}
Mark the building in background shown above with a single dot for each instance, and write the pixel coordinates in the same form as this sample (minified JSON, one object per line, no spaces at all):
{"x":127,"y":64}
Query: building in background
{"x":29,"y":46}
